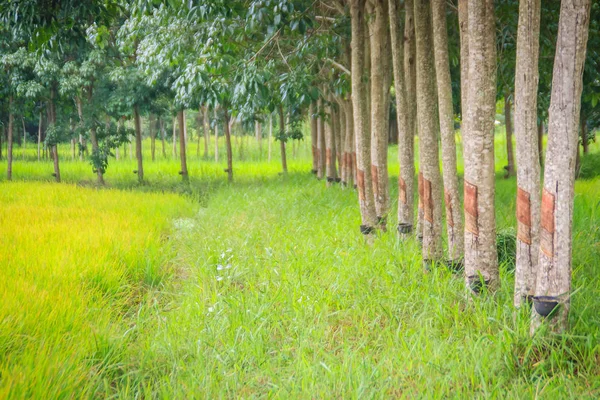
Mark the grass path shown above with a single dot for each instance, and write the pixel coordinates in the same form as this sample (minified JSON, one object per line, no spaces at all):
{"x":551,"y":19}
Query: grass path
{"x":281,"y":298}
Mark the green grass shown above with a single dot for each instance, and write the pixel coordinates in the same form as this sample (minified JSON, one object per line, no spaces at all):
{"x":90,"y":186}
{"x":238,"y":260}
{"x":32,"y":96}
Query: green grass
{"x":265,"y":290}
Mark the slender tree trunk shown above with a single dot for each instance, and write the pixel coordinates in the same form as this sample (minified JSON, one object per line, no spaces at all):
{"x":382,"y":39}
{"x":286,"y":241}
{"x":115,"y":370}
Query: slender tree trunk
{"x":379,"y":113}
{"x":229,"y":169}
{"x":174,"y":138}
{"x":553,"y":283}
{"x":138,"y":143}
{"x":330,"y":171}
{"x":54,"y":150}
{"x":396,"y":36}
{"x":341,"y":144}
{"x":349,"y":145}
{"x":216,"y":136}
{"x":510,"y":165}
{"x":321,"y":143}
{"x":313,"y":137}
{"x":270,"y":136}
{"x":258,"y":132}
{"x":206,"y":129}
{"x":93,"y":136}
{"x":9,"y":149}
{"x":584,"y":134}
{"x":541,"y":142}
{"x":39,"y":141}
{"x":463,"y":22}
{"x":182,"y":144}
{"x":406,"y":140}
{"x":152,"y":132}
{"x":282,"y":141}
{"x":428,"y":145}
{"x":528,"y":174}
{"x":454,"y":222}
{"x":481,"y":258}
{"x":161,"y":125}
{"x":362,"y":134}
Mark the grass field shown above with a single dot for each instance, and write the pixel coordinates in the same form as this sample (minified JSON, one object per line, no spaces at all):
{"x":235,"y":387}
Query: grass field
{"x":262,"y":288}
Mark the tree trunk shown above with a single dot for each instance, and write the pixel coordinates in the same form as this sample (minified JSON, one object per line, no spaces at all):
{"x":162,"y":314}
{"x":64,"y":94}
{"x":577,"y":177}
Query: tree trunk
{"x":270,"y":136}
{"x":454,"y":224}
{"x":378,"y":23}
{"x":313,"y":137}
{"x":481,"y":258}
{"x":174,"y":138}
{"x":182,"y":144}
{"x":349,"y":144}
{"x":282,"y":140}
{"x":229,"y":169}
{"x":584,"y":134}
{"x":185,"y":133}
{"x":429,"y":162}
{"x":9,"y":149}
{"x":528,"y":174}
{"x":52,"y":112}
{"x":362,"y":134}
{"x":406,"y":140}
{"x":510,"y":165}
{"x":554,"y":273}
{"x":39,"y":141}
{"x":258,"y":132}
{"x":152,"y":132}
{"x":341,"y":144}
{"x":93,"y":137}
{"x":217,"y":136}
{"x":321,"y":146}
{"x":161,"y":126}
{"x":463,"y":23}
{"x":541,"y":142}
{"x":338,"y":141}
{"x":138,"y":143}
{"x":330,"y":171}
{"x":205,"y":130}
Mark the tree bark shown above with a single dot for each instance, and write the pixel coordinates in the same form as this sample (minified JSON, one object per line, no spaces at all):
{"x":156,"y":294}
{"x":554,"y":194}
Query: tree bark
{"x":379,"y":112}
{"x":406,"y":140}
{"x":9,"y":148}
{"x":330,"y":171}
{"x":321,"y":146}
{"x":341,"y":144}
{"x":39,"y":141}
{"x":361,"y":133}
{"x":54,"y":150}
{"x":152,"y":133}
{"x":338,"y":140}
{"x":282,"y":140}
{"x":554,"y":272}
{"x":217,"y":136}
{"x":205,"y":130}
{"x":228,"y":145}
{"x":528,"y":174}
{"x":138,"y":143}
{"x":463,"y":23}
{"x":429,"y":162}
{"x":182,"y":144}
{"x":510,"y":157}
{"x":481,"y":258}
{"x":454,"y":224}
{"x":313,"y":137}
{"x":350,"y":145}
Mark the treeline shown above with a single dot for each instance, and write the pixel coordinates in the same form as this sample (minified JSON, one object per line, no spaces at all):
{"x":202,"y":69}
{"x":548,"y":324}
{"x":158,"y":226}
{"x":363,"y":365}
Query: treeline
{"x":359,"y":73}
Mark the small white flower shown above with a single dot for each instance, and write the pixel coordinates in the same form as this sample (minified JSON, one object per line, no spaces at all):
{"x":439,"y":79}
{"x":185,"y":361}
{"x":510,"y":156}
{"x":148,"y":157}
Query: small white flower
{"x":220,"y":267}
{"x":211,"y":309}
{"x":219,"y":278}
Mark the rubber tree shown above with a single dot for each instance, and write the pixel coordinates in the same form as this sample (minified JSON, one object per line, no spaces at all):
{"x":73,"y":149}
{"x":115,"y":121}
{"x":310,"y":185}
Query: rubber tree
{"x":379,"y":51}
{"x":481,"y":258}
{"x":528,"y":174}
{"x":429,"y":171}
{"x":359,"y":111}
{"x":553,"y":281}
{"x":454,"y":223}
